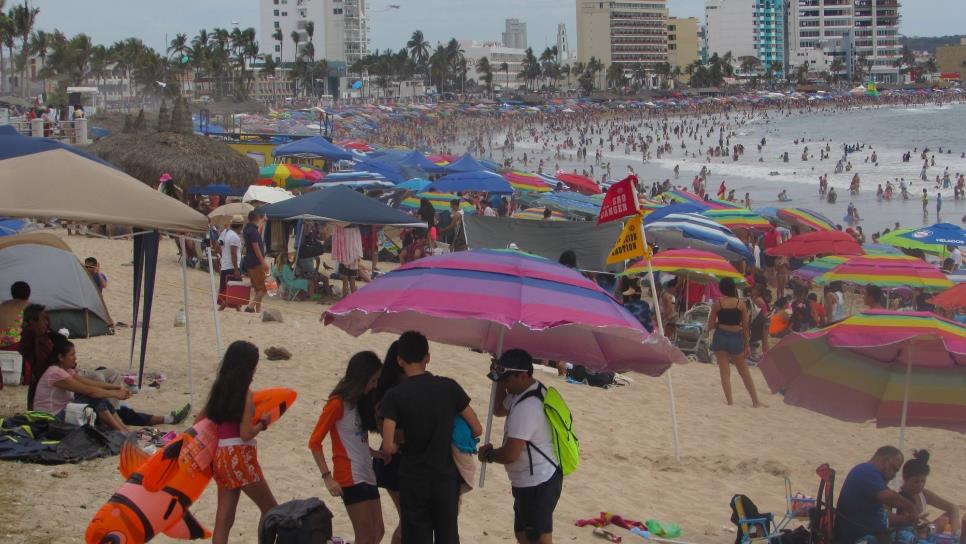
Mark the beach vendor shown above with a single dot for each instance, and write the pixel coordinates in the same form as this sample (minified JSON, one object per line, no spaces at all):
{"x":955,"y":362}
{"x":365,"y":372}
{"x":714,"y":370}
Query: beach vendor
{"x":61,"y":385}
{"x":862,"y":514}
{"x":527,"y":453}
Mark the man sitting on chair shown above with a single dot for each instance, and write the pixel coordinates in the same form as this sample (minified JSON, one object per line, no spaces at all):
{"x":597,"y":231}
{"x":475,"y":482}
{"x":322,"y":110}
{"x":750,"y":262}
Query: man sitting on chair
{"x":862,"y":514}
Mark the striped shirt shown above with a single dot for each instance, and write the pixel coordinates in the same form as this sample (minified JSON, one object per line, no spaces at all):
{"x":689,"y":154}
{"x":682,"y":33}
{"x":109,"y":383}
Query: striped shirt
{"x":346,"y":245}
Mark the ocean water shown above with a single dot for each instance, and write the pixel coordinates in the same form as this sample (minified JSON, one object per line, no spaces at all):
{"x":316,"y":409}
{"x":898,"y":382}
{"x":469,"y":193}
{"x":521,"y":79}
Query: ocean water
{"x":889,"y":132}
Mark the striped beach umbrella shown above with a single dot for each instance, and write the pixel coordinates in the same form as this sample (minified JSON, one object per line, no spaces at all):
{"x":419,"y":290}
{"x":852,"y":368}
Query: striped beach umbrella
{"x":536,"y":214}
{"x":692,"y":264}
{"x":738,"y":218}
{"x":898,"y":239}
{"x":527,"y":182}
{"x":694,"y":231}
{"x":888,"y":272}
{"x":818,"y":267}
{"x":894,"y":368}
{"x":805,"y":219}
{"x":288,"y":176}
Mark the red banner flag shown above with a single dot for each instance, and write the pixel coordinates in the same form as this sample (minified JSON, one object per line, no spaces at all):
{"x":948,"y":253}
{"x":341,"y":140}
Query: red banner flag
{"x":620,"y":201}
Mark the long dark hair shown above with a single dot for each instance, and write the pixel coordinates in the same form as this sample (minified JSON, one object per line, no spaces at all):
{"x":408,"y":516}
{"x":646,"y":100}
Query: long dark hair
{"x":391,"y":375}
{"x":226,"y":401}
{"x":352,"y":387}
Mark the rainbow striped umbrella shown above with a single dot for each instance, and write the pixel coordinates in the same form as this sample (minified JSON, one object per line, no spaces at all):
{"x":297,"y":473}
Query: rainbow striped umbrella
{"x":897,"y":368}
{"x":440,"y":202}
{"x":693,"y":264}
{"x":686,"y":197}
{"x":497,"y":300}
{"x":536,"y":214}
{"x":805,"y":219}
{"x":818,"y":267}
{"x":527,"y":182}
{"x":738,"y":218}
{"x":887,"y":271}
{"x":896,"y":239}
{"x":287,"y":176}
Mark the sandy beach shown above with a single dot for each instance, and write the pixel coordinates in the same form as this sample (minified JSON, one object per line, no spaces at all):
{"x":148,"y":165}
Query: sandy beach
{"x":627,"y":467}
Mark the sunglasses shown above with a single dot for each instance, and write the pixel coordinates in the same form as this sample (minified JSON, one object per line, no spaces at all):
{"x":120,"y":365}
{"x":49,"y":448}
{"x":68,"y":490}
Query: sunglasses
{"x":498,"y":373}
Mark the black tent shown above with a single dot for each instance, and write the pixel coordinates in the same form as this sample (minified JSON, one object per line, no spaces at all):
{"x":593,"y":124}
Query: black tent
{"x":340,"y":204}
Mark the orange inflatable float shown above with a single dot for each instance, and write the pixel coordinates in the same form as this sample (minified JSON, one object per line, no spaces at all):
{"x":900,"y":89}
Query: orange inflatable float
{"x":160,"y":488}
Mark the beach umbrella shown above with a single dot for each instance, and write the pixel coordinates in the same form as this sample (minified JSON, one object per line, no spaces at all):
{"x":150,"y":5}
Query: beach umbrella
{"x":525,"y":181}
{"x":944,"y":234}
{"x":805,"y":219}
{"x":692,"y":264}
{"x":887,"y":271}
{"x":817,"y":267}
{"x":495,"y":300}
{"x":951,"y":299}
{"x":738,"y":218}
{"x":536,"y":214}
{"x":10,"y":226}
{"x":466,"y":163}
{"x":313,"y":147}
{"x":476,"y":182}
{"x":287,"y":176}
{"x":896,"y":368}
{"x":440,"y":202}
{"x":662,"y":211}
{"x":880,"y":249}
{"x":268,"y":195}
{"x":570,"y":202}
{"x":222,"y":214}
{"x":694,"y":231}
{"x":822,"y":242}
{"x":216,"y":189}
{"x":416,"y":184}
{"x":581,"y":184}
{"x":896,"y":238}
{"x":683,"y":197}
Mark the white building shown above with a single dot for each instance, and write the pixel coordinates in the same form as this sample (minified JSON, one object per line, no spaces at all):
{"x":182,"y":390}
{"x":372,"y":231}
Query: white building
{"x":563,"y":45}
{"x":632,"y":33}
{"x":515,"y":35}
{"x":854,"y":32}
{"x":730,"y":26}
{"x":497,"y":54}
{"x":341,"y":33}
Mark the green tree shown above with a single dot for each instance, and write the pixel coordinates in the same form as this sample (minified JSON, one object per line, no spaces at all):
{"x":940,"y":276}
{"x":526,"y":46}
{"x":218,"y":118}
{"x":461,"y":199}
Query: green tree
{"x":615,"y":76}
{"x":40,"y":44}
{"x":23,"y":18}
{"x":419,"y":50}
{"x":505,"y":68}
{"x":486,"y":73}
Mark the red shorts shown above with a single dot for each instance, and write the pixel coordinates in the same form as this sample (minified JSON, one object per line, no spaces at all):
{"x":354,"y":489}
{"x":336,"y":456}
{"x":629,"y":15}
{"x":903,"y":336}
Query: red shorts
{"x":237,"y":466}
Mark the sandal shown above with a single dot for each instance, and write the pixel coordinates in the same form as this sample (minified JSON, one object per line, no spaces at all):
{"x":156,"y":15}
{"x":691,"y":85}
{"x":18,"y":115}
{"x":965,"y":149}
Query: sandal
{"x":607,"y":535}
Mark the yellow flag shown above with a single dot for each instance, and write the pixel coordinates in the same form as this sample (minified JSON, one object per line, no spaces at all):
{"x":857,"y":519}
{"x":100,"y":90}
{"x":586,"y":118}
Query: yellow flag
{"x":630,"y":245}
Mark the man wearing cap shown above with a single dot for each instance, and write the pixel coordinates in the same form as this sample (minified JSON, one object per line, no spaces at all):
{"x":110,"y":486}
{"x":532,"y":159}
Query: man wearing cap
{"x":229,"y":243}
{"x":527,"y":451}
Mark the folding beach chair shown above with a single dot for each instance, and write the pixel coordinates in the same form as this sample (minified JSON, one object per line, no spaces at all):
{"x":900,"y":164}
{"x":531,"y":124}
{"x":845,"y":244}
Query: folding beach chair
{"x":753,"y":526}
{"x":822,"y":516}
{"x":797,"y":507}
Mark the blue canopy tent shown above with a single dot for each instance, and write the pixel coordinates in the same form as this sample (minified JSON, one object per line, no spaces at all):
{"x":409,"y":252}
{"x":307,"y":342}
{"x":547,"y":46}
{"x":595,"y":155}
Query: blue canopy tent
{"x":342,"y":205}
{"x":480,"y":181}
{"x":367,"y":180}
{"x":216,"y":189}
{"x":466,"y":163}
{"x":70,"y":184}
{"x":314,"y":147}
{"x":417,"y":159}
{"x":395,"y":172}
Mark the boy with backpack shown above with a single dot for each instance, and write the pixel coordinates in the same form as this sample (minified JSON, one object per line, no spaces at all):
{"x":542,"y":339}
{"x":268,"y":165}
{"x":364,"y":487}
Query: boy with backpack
{"x":539,"y":446}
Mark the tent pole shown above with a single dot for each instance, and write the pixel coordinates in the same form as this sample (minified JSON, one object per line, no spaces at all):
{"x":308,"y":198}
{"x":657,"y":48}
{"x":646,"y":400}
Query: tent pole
{"x":187,"y":320}
{"x":214,"y":302}
{"x":660,"y":328}
{"x":905,"y":400}
{"x":489,"y":414}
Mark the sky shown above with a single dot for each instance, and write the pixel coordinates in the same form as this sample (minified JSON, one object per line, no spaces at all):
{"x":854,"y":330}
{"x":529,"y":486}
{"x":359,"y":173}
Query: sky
{"x":107,"y":21}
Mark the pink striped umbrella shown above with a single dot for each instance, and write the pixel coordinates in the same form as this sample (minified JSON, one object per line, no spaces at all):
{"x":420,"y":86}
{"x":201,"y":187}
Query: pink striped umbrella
{"x":496,"y":300}
{"x":897,"y":368}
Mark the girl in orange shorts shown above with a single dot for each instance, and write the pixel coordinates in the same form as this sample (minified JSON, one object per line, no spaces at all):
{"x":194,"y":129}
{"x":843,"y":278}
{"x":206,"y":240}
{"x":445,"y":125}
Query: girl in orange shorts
{"x":236,"y":466}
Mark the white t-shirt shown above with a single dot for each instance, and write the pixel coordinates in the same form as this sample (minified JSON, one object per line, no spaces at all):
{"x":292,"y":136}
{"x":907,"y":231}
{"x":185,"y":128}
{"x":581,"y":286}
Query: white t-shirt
{"x":227,"y":241}
{"x":957,"y":256}
{"x":527,"y":421}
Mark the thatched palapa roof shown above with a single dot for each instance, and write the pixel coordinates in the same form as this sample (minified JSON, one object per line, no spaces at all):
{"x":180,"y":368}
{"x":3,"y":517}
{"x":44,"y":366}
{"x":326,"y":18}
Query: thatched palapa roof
{"x":191,"y":159}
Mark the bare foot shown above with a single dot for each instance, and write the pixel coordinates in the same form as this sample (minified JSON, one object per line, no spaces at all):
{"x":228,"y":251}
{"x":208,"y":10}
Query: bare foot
{"x":759,"y":404}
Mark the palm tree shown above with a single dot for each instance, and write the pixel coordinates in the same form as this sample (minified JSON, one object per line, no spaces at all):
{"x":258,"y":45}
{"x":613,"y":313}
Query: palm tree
{"x":486,"y":71}
{"x":6,"y":40}
{"x":802,"y":73}
{"x":40,"y":43}
{"x":663,"y":69}
{"x":615,"y":76}
{"x":749,"y":64}
{"x":23,"y":18}
{"x":836,"y":68}
{"x":640,"y":74}
{"x":505,"y":68}
{"x":280,"y":38}
{"x":419,"y":49}
{"x":178,"y":46}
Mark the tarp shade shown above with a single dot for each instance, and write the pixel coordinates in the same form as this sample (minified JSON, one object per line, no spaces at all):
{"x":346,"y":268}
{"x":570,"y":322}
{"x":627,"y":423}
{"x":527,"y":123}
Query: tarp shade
{"x":145,"y":268}
{"x":481,"y":181}
{"x":69,"y":185}
{"x":547,"y":239}
{"x":417,"y":159}
{"x":466,"y":163}
{"x":316,"y":146}
{"x":339,"y":204}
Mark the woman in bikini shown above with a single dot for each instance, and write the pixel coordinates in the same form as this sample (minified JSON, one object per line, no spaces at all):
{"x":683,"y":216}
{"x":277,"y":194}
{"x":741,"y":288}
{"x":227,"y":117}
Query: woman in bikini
{"x":731,"y":343}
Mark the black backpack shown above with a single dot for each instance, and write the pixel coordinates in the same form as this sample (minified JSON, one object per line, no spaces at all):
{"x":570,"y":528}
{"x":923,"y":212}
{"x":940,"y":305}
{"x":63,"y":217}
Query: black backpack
{"x":305,"y":521}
